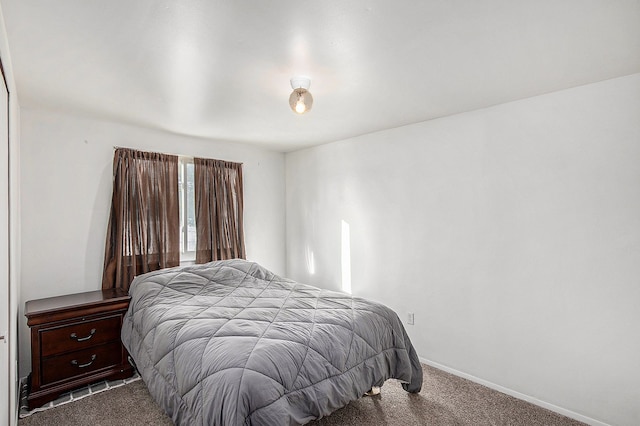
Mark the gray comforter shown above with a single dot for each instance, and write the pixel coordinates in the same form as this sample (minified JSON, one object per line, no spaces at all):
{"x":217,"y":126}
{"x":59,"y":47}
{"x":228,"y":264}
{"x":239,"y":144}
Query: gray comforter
{"x":230,"y":343}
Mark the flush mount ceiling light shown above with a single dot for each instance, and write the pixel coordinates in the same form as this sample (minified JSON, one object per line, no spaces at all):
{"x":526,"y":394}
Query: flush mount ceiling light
{"x":300,"y":99}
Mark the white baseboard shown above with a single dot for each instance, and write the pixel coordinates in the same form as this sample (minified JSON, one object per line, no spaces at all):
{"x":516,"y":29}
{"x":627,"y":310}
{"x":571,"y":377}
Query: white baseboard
{"x":515,"y":394}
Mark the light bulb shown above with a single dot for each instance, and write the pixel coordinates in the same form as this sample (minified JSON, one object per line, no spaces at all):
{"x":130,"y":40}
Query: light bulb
{"x":300,"y":100}
{"x":300,"y":106}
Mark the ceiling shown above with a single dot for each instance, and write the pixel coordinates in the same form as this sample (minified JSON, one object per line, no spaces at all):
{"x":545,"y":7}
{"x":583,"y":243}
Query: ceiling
{"x":221,"y":69}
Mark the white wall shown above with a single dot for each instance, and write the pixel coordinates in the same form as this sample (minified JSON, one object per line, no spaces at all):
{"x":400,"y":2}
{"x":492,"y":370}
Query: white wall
{"x":66,"y":179}
{"x":512,"y":232}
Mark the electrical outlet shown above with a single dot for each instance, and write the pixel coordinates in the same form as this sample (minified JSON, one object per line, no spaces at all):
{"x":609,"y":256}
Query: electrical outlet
{"x":410,"y":318}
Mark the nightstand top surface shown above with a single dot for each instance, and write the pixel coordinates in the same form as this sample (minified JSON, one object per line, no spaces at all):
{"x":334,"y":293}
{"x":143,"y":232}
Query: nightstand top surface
{"x":74,"y":301}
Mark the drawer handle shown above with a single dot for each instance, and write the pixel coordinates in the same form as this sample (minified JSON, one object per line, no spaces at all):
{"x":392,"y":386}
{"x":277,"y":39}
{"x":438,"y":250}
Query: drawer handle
{"x":75,"y":337}
{"x":75,"y":362}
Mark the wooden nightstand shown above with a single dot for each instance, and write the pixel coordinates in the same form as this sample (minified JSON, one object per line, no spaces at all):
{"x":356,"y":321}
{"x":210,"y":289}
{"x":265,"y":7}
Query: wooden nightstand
{"x":75,"y":340}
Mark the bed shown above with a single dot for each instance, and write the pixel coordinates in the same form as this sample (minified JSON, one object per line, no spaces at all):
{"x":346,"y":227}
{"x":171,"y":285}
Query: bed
{"x":231,"y":343}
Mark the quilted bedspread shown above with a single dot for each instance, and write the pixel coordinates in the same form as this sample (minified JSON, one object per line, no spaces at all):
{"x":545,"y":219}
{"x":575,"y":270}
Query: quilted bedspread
{"x":230,"y":343}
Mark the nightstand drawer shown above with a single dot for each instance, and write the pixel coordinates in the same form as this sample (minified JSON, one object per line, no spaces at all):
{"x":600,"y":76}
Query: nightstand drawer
{"x":78,"y":363}
{"x":79,"y":335}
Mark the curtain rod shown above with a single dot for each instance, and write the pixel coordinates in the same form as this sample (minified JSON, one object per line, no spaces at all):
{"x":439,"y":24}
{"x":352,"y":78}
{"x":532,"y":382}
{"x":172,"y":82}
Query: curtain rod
{"x":167,"y":153}
{"x":151,"y":152}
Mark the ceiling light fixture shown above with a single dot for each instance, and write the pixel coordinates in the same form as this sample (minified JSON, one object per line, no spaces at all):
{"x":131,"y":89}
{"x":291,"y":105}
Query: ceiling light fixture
{"x":300,"y":99}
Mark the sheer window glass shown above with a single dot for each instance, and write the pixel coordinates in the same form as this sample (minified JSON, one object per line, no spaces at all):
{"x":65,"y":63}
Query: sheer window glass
{"x":186,"y":190}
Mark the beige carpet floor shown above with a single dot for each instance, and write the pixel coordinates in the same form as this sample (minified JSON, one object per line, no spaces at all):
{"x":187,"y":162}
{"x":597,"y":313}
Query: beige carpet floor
{"x":445,"y":399}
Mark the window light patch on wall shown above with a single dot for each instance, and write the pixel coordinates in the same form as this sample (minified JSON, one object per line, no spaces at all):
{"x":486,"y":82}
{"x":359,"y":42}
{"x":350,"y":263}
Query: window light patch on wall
{"x":346,"y":258}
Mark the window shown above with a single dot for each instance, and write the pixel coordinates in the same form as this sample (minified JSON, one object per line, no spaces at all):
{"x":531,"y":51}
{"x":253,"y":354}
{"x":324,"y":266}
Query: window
{"x":148,"y":234}
{"x":187,"y":210}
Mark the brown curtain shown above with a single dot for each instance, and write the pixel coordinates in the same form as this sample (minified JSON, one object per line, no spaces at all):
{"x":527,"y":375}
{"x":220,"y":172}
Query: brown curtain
{"x":143,"y":234}
{"x":219,"y":206}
